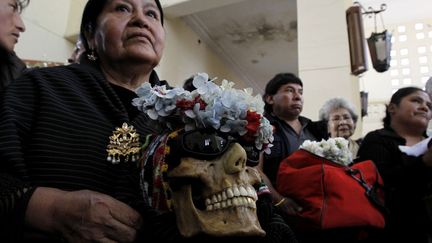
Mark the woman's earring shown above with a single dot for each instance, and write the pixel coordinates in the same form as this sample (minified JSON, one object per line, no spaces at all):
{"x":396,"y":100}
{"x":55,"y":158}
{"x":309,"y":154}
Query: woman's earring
{"x":92,"y":56}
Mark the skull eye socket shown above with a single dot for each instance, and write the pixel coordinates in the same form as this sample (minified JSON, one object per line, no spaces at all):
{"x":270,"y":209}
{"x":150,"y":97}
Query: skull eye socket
{"x":205,"y":143}
{"x":252,"y":154}
{"x":210,"y":145}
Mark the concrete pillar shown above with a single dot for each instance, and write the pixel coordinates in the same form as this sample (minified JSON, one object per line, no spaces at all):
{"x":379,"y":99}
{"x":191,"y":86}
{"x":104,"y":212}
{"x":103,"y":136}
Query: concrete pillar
{"x":324,"y":61}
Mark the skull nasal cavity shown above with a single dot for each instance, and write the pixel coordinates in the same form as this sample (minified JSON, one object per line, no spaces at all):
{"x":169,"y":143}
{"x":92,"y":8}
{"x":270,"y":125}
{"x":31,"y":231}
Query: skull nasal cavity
{"x":235,"y":159}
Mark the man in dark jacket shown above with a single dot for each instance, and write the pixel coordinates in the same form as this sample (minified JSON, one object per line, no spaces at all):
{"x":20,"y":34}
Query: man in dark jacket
{"x":283,"y":104}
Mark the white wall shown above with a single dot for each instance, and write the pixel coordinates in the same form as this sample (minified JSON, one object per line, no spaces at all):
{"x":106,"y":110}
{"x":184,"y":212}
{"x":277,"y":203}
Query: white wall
{"x":184,"y":56}
{"x":324,"y":62}
{"x":48,"y":22}
{"x":45,"y":22}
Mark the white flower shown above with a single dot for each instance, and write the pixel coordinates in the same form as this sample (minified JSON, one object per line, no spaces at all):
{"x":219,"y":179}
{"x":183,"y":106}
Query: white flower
{"x":334,"y":149}
{"x":204,"y":87}
{"x":221,"y":108}
{"x":226,"y":84}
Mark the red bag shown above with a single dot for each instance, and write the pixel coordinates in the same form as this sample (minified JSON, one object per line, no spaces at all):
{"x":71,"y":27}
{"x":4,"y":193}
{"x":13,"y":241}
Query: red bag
{"x":332,"y":195}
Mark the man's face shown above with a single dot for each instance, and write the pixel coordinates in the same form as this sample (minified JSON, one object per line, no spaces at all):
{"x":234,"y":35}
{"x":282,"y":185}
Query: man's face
{"x":287,"y":103}
{"x":11,"y":24}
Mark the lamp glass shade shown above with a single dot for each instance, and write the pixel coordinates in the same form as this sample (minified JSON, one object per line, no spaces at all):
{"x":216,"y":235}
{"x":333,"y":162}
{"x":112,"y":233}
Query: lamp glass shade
{"x":379,"y":49}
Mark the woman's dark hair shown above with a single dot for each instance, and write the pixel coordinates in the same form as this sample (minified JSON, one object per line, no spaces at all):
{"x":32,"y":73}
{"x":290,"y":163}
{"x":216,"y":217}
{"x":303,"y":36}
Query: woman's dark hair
{"x":275,"y":83}
{"x":396,"y":99}
{"x":188,"y":84}
{"x":91,"y":12}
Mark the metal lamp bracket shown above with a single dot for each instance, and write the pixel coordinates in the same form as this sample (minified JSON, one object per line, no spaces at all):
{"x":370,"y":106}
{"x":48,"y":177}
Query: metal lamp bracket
{"x":370,"y":12}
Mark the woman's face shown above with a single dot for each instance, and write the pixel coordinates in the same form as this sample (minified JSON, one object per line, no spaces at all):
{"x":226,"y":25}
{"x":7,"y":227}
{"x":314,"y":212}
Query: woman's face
{"x":129,"y":30}
{"x":11,"y":24}
{"x":413,"y":110}
{"x":340,"y":123}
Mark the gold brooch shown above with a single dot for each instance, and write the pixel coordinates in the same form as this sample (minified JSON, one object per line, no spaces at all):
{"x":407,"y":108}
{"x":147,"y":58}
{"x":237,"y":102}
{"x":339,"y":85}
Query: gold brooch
{"x":124,"y":144}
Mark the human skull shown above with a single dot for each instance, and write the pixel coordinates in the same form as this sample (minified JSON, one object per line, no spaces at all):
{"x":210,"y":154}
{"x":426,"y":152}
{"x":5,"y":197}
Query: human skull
{"x":216,"y":197}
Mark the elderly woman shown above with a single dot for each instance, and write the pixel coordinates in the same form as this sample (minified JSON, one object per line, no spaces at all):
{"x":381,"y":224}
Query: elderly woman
{"x":69,"y":134}
{"x":341,"y":119}
{"x":407,"y":178}
{"x":11,"y":25}
{"x":70,"y":139}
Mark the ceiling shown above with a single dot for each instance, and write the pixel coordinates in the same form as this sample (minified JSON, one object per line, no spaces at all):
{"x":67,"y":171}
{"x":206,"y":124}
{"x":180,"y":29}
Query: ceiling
{"x":258,"y":39}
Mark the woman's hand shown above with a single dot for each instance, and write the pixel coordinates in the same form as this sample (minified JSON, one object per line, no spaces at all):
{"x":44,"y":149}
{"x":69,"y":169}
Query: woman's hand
{"x":289,"y":206}
{"x":82,"y":216}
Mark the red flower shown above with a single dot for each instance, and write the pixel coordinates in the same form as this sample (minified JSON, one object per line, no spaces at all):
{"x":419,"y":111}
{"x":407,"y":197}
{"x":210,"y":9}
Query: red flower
{"x":189,"y":104}
{"x":252,"y":127}
{"x":201,"y":102}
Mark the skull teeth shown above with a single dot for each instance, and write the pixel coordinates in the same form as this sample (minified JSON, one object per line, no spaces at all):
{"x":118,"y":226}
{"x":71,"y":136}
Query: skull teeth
{"x":243,"y":191}
{"x":235,"y":196}
{"x":236,"y":192}
{"x":230,"y":192}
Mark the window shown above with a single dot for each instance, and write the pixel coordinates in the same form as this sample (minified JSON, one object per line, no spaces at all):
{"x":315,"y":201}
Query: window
{"x":424,"y":69}
{"x":407,"y":81}
{"x":410,"y":61}
{"x":406,"y":71}
{"x":419,"y":26}
{"x":405,"y":61}
{"x":421,"y":49}
{"x":404,"y":52}
{"x":401,"y":28}
{"x":423,"y":60}
{"x":420,"y":36}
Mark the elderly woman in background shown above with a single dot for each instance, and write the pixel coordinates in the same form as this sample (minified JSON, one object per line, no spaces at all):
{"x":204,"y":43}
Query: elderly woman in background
{"x":11,"y":25}
{"x":61,"y":177}
{"x":341,"y":119}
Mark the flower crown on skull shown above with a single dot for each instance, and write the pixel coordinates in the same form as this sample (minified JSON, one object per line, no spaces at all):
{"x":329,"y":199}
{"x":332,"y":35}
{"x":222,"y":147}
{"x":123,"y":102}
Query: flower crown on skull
{"x":222,"y":108}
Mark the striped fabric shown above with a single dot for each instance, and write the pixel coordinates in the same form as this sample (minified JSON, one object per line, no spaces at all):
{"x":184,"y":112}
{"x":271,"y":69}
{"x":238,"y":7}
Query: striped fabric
{"x":55,"y":125}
